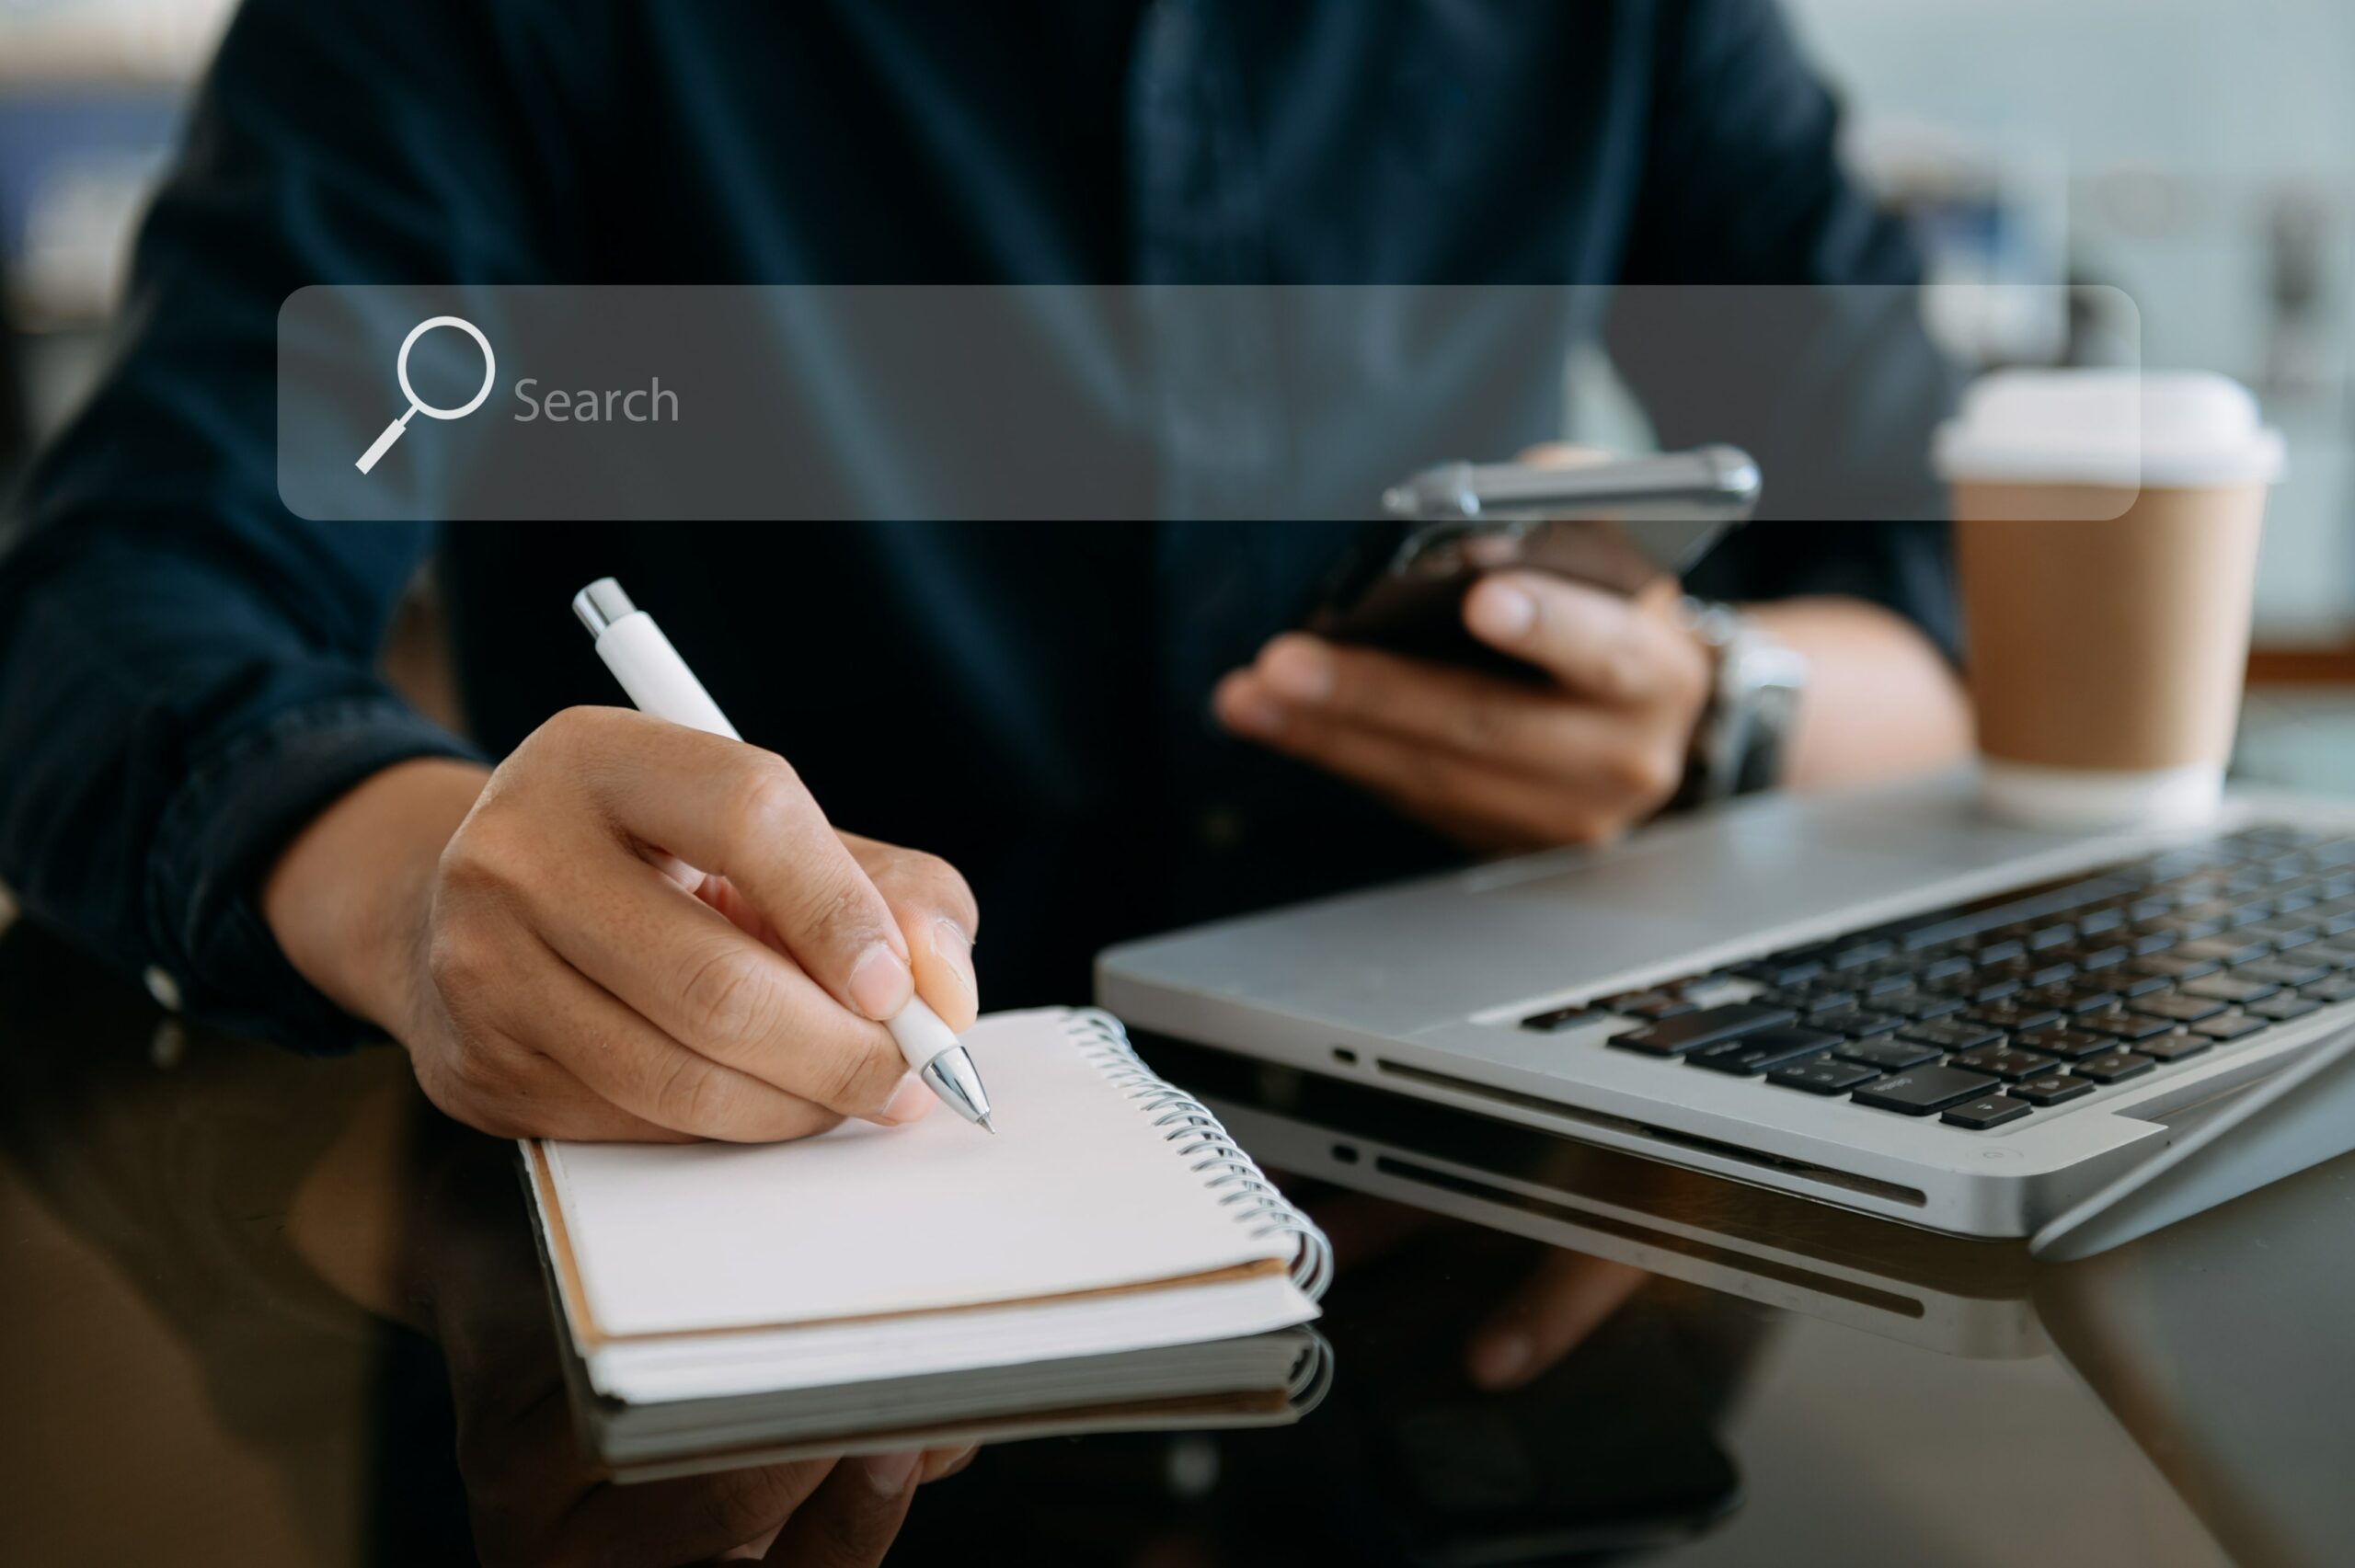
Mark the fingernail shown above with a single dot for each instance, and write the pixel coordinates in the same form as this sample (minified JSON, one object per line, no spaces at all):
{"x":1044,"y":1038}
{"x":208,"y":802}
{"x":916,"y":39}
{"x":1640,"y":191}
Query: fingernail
{"x":910,"y":1102}
{"x":953,"y":947}
{"x":889,"y":1473}
{"x":1502,"y":612}
{"x":879,"y":983}
{"x":1299,"y":669}
{"x":1243,"y":708}
{"x":1499,"y":1360}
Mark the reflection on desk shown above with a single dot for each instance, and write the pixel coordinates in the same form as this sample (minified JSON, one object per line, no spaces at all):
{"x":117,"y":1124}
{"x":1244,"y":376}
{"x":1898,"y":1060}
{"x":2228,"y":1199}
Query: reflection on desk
{"x":275,"y":1310}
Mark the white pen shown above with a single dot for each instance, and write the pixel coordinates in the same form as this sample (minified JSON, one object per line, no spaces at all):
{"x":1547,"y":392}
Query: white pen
{"x":658,"y":683}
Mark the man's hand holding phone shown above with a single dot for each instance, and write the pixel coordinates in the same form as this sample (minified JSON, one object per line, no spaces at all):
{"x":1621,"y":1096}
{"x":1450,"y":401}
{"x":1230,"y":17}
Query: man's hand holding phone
{"x":1496,"y":762}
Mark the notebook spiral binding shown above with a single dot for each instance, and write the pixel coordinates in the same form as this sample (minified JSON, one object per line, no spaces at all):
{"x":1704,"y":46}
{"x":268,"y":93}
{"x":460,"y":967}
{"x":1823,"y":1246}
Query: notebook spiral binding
{"x":1198,"y":1136}
{"x":1312,"y":1375}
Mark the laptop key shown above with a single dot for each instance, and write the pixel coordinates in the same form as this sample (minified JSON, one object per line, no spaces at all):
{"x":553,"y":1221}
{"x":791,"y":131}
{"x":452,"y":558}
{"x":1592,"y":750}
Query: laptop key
{"x":2282,"y":972}
{"x":2005,"y":1061}
{"x":1690,"y":1031}
{"x":2115,"y":1067}
{"x":1855,"y":1022}
{"x":2230,"y":989}
{"x":2013,"y":1015}
{"x":1561,"y":1018}
{"x":1950,"y":1033}
{"x":2174,"y":966}
{"x":1990,"y":1110}
{"x":2068,"y":1043}
{"x":1982,"y":988}
{"x":1887,"y":1053}
{"x":2225,"y":950}
{"x":2175,"y":1047}
{"x":2232,"y":1026}
{"x":1919,"y":1004}
{"x":1653,"y":1012}
{"x":2123,"y":1023}
{"x":2339,"y":988}
{"x":1781,"y":969}
{"x":1925,"y":1091}
{"x":1753,"y":1054}
{"x":2178,"y":1008}
{"x":2130,"y":985}
{"x":1943,"y":966}
{"x":2037,"y":969}
{"x":1822,"y":1075}
{"x":2073,"y":998}
{"x":2052,"y":1090}
{"x":2287,"y":934}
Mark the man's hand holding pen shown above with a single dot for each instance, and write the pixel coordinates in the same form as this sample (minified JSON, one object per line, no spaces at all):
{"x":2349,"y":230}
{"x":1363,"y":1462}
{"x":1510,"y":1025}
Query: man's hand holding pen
{"x":531,"y":936}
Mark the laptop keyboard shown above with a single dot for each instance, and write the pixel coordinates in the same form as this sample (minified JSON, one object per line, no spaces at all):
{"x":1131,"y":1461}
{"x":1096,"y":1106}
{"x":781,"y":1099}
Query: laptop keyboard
{"x":2023,"y":1001}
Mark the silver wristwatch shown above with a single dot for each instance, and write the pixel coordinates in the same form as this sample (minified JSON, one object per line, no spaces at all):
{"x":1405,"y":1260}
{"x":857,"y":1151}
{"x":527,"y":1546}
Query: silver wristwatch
{"x":1738,"y":746}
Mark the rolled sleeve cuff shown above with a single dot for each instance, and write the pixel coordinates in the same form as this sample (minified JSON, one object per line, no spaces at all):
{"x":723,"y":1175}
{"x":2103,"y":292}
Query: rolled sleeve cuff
{"x":221,"y":829}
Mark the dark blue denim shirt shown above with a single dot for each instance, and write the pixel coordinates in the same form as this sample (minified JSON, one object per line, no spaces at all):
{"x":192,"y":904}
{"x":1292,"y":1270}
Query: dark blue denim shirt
{"x":187,"y":670}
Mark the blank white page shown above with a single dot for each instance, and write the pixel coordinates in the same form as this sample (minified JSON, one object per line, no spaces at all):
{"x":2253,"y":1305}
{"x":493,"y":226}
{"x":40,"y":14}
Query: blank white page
{"x":1077,"y":1191}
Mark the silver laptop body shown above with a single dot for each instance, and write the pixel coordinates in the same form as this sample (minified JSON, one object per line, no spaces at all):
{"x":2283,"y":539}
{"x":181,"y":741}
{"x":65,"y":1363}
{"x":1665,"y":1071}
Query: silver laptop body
{"x":1422,"y":988}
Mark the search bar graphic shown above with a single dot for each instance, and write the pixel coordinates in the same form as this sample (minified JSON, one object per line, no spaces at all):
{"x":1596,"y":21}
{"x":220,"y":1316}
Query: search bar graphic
{"x":1079,"y":403}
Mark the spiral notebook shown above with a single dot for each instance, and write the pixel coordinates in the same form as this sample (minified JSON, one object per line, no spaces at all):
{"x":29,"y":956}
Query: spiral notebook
{"x":1110,"y":1213}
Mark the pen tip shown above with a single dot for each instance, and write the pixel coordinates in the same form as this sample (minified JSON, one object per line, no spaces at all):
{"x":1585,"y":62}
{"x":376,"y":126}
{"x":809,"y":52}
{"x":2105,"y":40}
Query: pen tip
{"x":987,"y":1126}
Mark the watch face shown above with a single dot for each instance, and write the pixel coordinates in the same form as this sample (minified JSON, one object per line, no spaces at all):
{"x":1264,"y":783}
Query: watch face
{"x":1738,"y":746}
{"x":1763,"y":680}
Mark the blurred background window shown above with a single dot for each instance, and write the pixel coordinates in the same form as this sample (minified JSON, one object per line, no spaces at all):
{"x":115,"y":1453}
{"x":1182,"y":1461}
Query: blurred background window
{"x":2201,"y":159}
{"x":91,"y":95}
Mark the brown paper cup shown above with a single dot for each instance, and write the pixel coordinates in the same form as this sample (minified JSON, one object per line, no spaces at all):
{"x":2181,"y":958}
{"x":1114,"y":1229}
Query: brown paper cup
{"x":2106,"y":536}
{"x":2105,"y":656}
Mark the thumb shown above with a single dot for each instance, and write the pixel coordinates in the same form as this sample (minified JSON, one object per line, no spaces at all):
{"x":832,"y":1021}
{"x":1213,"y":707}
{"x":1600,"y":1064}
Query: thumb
{"x":1598,"y":644}
{"x":1562,"y":454}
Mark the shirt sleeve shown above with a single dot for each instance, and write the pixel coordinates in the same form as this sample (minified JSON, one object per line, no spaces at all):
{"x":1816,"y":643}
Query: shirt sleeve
{"x":187,"y":670}
{"x":1770,"y":304}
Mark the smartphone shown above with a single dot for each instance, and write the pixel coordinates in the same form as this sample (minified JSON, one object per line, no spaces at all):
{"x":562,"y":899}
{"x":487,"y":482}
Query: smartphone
{"x":1613,"y":525}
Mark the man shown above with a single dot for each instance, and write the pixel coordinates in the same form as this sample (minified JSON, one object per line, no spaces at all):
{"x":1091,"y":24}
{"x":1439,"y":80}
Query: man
{"x":206,"y":782}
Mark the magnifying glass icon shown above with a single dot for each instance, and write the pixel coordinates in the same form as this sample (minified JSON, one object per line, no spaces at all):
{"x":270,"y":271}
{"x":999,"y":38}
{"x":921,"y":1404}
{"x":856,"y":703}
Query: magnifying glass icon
{"x":417,"y":405}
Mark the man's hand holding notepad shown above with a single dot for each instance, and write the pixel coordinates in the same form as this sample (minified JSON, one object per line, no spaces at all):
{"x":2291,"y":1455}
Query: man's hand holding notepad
{"x":1110,"y":1214}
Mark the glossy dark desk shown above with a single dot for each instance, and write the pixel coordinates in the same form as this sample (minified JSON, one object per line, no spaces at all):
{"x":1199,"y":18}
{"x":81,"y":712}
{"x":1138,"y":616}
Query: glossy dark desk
{"x":260,"y":1310}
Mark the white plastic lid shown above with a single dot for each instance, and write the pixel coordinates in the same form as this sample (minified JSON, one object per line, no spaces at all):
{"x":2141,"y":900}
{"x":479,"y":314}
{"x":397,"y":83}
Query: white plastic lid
{"x":2172,"y":429}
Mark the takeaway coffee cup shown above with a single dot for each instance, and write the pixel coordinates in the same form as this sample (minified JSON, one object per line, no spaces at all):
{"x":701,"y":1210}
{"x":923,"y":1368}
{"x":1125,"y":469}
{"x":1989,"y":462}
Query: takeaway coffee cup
{"x":2105,"y":533}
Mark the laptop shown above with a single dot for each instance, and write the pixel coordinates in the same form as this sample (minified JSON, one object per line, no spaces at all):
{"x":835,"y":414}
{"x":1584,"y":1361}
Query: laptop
{"x":1877,"y":1000}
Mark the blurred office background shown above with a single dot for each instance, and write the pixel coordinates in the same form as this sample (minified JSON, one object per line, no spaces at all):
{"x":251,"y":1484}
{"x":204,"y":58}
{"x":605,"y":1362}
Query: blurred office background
{"x":2198,"y":157}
